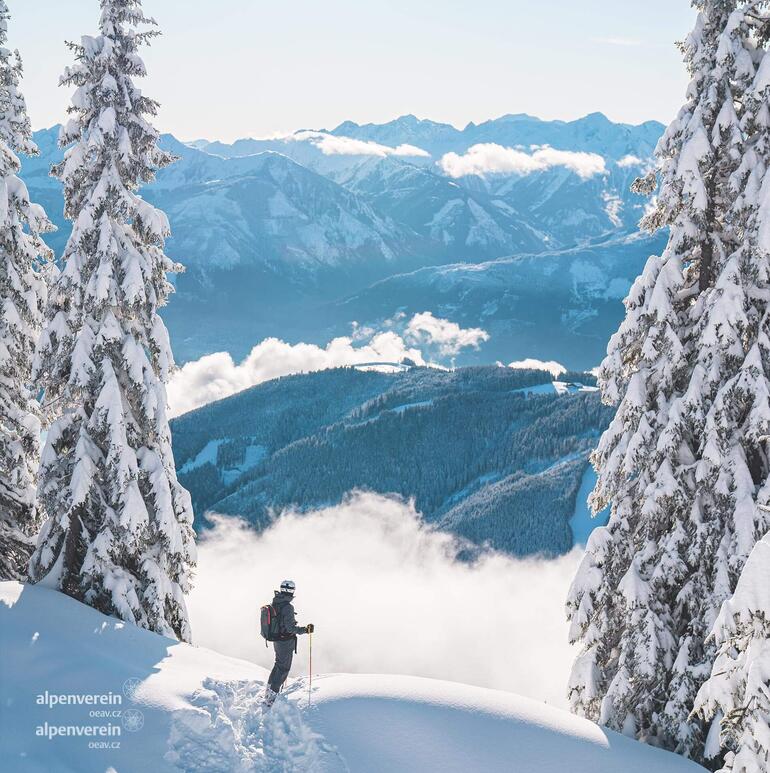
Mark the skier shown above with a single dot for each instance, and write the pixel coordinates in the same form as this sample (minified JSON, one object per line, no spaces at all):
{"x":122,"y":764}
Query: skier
{"x":286,"y":645}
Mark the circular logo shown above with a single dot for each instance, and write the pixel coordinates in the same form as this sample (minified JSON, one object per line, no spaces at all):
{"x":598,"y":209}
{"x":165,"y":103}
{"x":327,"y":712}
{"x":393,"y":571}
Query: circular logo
{"x":130,"y":686}
{"x":133,"y":720}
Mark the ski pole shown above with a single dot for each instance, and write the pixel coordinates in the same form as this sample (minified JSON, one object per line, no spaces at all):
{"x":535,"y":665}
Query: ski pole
{"x":310,"y":681}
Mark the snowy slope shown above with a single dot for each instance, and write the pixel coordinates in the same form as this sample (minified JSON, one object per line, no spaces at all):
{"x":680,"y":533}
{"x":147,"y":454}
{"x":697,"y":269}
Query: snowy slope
{"x":466,"y":223}
{"x":444,"y":726}
{"x":49,"y":642}
{"x":194,"y":710}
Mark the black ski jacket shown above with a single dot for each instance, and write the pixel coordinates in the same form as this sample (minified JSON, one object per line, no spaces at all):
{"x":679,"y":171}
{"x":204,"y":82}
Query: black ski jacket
{"x":287,"y":619}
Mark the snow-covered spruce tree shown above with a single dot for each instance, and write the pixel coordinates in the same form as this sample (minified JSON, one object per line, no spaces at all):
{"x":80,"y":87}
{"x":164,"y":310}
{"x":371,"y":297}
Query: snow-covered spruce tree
{"x":736,"y":698}
{"x":737,"y":695}
{"x":681,"y":463}
{"x":23,"y":268}
{"x":118,"y":534}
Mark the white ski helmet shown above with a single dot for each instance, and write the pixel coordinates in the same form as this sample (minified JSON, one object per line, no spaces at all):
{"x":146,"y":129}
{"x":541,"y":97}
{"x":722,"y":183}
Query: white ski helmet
{"x":288,"y":586}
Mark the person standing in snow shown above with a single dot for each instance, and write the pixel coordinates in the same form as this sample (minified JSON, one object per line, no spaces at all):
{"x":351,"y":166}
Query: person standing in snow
{"x":286,"y":645}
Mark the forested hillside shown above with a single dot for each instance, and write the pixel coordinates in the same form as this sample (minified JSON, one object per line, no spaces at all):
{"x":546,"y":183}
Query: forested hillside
{"x":482,"y":452}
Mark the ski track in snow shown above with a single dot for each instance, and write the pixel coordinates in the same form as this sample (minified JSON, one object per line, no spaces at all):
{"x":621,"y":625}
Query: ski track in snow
{"x":229,"y":729}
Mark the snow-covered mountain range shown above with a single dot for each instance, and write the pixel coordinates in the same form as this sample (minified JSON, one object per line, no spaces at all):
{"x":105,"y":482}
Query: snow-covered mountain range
{"x":593,"y":133}
{"x":272,"y":231}
{"x":497,"y":205}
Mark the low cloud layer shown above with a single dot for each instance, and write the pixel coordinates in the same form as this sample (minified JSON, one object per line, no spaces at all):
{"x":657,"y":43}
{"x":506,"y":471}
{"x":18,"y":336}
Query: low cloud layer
{"x":333,"y":145}
{"x":216,"y":376}
{"x":490,"y":158}
{"x":387,"y":595}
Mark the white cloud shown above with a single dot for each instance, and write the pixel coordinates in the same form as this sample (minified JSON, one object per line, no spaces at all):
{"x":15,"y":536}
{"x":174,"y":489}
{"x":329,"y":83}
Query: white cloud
{"x":556,"y":369}
{"x":630,"y":160}
{"x":388,"y":595}
{"x":450,"y":338}
{"x":332,"y":145}
{"x":217,"y":375}
{"x":490,"y":158}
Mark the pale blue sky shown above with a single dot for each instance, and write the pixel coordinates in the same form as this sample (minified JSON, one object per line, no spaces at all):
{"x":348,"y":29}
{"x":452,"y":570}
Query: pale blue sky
{"x":235,"y":68}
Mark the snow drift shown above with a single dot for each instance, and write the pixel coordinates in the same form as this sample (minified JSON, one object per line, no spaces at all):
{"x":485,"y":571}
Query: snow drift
{"x":180,"y":707}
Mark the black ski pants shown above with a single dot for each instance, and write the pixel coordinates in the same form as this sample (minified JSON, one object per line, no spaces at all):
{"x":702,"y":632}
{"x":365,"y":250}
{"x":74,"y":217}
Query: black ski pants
{"x":284,"y":653}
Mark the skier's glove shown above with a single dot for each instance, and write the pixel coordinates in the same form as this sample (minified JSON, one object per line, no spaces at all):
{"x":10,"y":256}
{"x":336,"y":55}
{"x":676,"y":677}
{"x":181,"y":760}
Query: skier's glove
{"x":310,"y":628}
